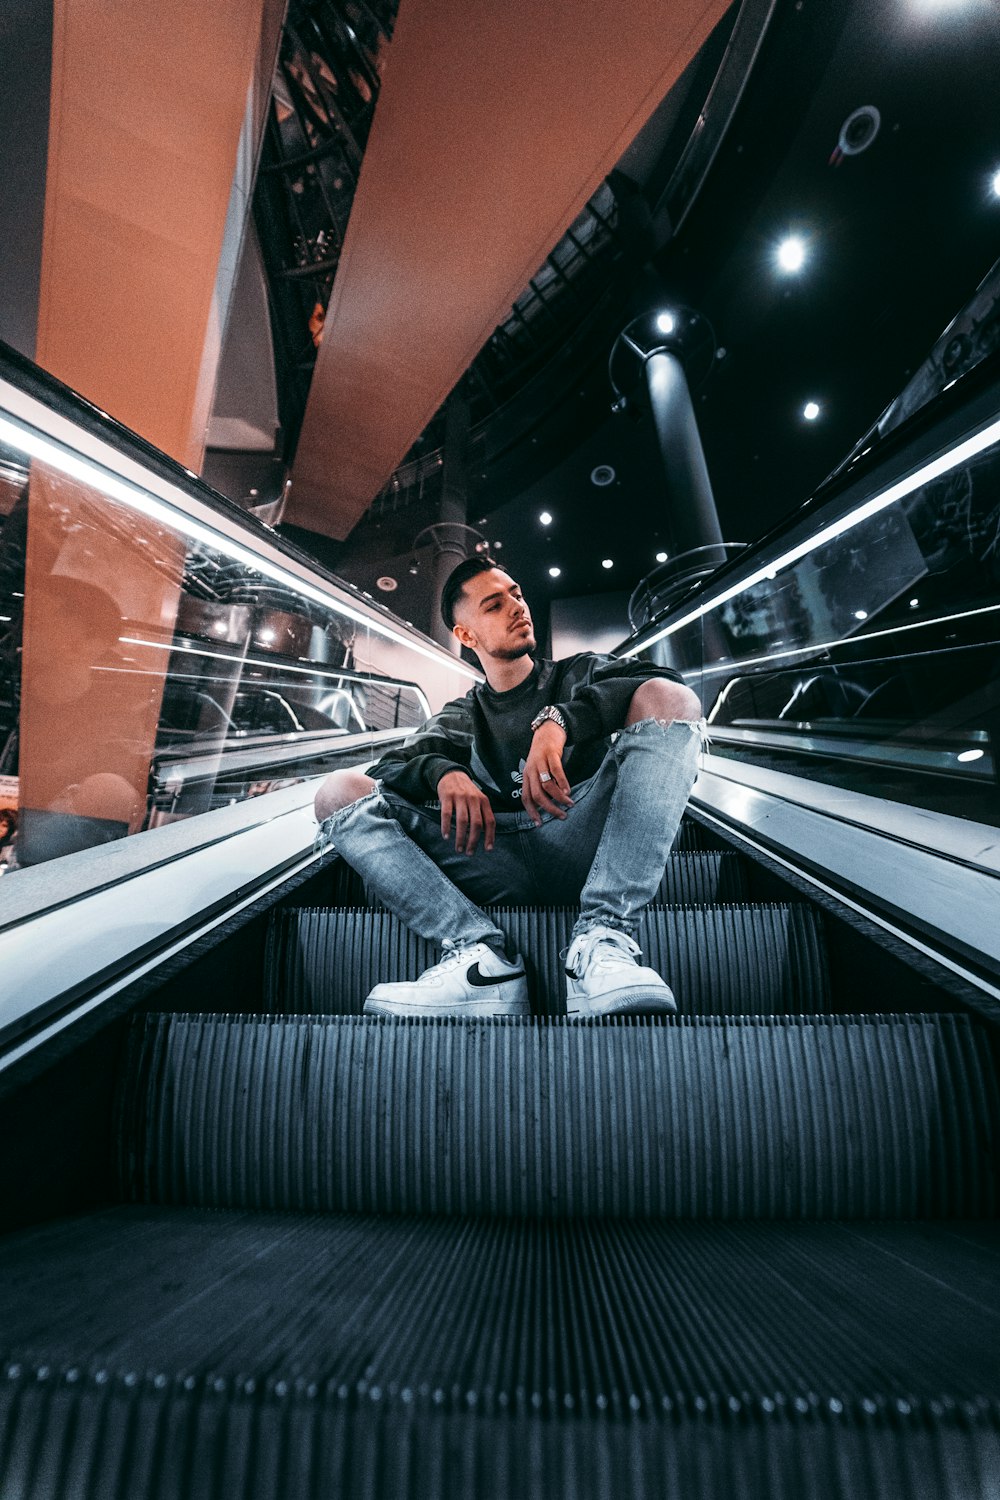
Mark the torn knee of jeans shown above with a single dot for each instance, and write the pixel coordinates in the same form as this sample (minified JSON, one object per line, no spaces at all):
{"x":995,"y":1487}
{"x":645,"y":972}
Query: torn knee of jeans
{"x":328,"y":827}
{"x":696,"y":726}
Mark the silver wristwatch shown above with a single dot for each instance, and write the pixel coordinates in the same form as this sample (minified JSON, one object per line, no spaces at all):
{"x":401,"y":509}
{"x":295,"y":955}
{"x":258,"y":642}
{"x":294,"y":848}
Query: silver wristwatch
{"x":547,"y":713}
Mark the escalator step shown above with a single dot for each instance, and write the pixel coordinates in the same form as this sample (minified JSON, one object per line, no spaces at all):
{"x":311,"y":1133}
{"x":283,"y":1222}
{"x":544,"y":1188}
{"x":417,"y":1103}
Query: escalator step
{"x":775,"y":1118}
{"x":209,"y":1356}
{"x":255,"y":1441}
{"x":688,"y":878}
{"x":728,"y":960}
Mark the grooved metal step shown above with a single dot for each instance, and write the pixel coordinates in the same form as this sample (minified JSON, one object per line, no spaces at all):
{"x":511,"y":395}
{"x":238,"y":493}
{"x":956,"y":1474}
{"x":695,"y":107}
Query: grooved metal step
{"x":818,"y":1117}
{"x":430,"y":1359}
{"x":689,"y":878}
{"x":729,"y":960}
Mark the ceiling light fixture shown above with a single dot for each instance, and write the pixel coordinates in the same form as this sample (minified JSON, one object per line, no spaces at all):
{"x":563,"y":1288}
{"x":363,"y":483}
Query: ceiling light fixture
{"x":554,"y":572}
{"x":665,"y":323}
{"x":27,"y":439}
{"x":546,"y":518}
{"x":967,"y":755}
{"x":661,"y":557}
{"x":996,"y":184}
{"x":792,"y":254}
{"x":953,"y":458}
{"x":608,"y":562}
{"x":810,"y":411}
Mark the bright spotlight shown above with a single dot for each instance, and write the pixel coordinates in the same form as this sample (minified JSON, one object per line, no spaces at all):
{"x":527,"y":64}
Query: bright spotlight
{"x":546,"y":518}
{"x":665,"y":323}
{"x":996,"y":184}
{"x":661,"y":557}
{"x":967,"y":755}
{"x":810,"y":411}
{"x":792,"y":253}
{"x":914,"y":603}
{"x":608,"y":562}
{"x":554,"y":572}
{"x":861,"y":614}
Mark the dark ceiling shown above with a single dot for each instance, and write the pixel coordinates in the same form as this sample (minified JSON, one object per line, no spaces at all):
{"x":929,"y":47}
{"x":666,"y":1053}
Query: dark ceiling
{"x":897,"y":238}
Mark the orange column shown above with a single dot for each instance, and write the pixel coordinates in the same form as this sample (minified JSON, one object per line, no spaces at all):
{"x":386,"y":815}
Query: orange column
{"x":147,"y":105}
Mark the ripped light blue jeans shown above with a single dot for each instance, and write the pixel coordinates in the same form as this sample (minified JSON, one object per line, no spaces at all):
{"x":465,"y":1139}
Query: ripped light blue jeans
{"x":608,"y":854}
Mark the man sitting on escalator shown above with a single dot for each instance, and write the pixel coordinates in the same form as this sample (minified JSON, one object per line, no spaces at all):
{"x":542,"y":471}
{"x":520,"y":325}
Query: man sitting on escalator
{"x":554,"y":783}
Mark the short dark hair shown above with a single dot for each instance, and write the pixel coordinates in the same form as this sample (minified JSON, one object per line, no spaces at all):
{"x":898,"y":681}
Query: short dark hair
{"x":458,"y":578}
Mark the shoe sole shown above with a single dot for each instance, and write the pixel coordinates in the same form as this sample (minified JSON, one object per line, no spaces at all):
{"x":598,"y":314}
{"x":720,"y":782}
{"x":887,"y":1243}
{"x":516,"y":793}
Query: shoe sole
{"x":631,"y":1002}
{"x":439,"y":1012}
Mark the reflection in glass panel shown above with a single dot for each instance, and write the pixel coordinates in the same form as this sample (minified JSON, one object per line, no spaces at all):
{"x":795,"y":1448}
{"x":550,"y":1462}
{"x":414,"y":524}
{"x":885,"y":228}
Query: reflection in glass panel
{"x":872,"y":662}
{"x":146,"y":677}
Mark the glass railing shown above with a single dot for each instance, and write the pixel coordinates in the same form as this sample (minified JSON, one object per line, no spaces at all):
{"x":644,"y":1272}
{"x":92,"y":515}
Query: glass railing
{"x":162,"y":653}
{"x":859,"y":645}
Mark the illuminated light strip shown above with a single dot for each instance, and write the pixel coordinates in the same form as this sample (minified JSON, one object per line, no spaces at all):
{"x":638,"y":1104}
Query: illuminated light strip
{"x":253,"y":661}
{"x":938,"y":466}
{"x":846,"y":640}
{"x":35,"y":445}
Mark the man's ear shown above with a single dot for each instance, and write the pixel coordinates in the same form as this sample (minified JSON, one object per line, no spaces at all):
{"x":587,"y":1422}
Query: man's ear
{"x":464,"y":637}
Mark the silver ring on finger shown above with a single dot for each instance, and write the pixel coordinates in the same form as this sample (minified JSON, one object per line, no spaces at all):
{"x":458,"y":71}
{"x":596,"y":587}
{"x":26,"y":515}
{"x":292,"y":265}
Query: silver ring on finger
{"x":544,"y":776}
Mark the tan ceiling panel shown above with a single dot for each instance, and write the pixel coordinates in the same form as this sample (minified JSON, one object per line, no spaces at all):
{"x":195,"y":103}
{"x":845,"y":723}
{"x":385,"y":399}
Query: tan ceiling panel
{"x":148,"y":100}
{"x":495,"y":124}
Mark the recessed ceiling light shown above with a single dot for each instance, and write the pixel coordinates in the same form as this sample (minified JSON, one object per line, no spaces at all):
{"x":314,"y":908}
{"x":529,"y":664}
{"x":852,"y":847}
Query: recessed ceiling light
{"x":554,"y":572}
{"x":546,"y":518}
{"x":914,"y":603}
{"x":810,"y":411}
{"x":665,"y":322}
{"x":996,"y":184}
{"x":608,"y":562}
{"x":861,"y":614}
{"x":792,"y":253}
{"x":603,"y":474}
{"x":971,"y":755}
{"x":661,"y":557}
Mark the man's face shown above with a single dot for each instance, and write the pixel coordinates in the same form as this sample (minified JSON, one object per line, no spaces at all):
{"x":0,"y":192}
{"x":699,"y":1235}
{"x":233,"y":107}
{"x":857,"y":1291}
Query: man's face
{"x":493,"y":617}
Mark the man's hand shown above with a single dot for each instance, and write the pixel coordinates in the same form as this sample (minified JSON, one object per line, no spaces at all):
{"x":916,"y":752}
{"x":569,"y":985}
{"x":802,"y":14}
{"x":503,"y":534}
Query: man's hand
{"x":462,"y":798}
{"x":545,"y":760}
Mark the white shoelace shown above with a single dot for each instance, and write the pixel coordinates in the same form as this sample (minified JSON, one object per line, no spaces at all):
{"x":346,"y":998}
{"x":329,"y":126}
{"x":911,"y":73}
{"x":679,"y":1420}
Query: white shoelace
{"x":453,"y":958}
{"x":605,"y":952}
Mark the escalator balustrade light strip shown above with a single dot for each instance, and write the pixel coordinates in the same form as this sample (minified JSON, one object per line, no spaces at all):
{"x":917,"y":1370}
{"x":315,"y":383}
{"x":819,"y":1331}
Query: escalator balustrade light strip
{"x":960,"y":454}
{"x":27,"y":439}
{"x":781,"y":1117}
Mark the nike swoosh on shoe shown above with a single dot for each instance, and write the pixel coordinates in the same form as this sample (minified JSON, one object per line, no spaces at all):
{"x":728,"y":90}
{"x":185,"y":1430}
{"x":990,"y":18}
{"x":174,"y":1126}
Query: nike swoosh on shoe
{"x":479,"y":980}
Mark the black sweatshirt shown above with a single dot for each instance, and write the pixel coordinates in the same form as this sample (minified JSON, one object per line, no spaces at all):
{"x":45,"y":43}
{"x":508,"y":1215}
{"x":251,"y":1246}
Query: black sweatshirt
{"x":488,"y":734}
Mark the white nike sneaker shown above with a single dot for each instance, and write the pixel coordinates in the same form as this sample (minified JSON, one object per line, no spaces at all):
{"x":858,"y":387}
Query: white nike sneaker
{"x":470,"y":981}
{"x":603,"y":978}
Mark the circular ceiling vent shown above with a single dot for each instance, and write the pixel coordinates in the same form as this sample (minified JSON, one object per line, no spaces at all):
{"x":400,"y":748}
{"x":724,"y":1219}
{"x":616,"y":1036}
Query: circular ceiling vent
{"x":858,"y":131}
{"x":386,"y":584}
{"x":603,"y":475}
